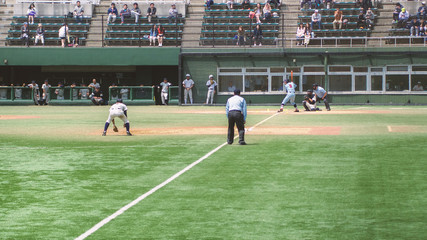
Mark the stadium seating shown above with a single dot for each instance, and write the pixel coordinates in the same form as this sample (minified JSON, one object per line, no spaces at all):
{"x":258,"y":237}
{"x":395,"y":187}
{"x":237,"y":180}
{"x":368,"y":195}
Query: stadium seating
{"x":133,"y":34}
{"x":349,"y":33}
{"x":220,"y":25}
{"x":51,"y":24}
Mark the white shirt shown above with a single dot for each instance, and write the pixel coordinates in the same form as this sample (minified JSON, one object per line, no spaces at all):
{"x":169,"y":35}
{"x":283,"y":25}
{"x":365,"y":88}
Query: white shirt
{"x":118,"y":108}
{"x":236,"y":103}
{"x":62,"y":31}
{"x":211,"y":86}
{"x":188,"y":83}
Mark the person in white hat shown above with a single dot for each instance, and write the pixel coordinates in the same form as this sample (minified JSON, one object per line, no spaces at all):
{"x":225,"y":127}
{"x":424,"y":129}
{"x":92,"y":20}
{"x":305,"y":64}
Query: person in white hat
{"x":188,"y":84}
{"x":316,"y":18}
{"x":422,"y":11}
{"x":211,"y":84}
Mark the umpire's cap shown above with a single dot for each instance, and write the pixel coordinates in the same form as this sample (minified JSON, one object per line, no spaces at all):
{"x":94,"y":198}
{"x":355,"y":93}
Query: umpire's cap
{"x":237,"y":92}
{"x":119,"y":100}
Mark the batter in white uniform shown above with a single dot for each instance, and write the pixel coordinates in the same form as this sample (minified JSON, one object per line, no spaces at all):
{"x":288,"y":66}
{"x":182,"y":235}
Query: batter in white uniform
{"x":118,"y":110}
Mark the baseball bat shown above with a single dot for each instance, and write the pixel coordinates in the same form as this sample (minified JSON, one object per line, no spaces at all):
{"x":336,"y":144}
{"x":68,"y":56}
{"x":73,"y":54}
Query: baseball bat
{"x":292,"y":76}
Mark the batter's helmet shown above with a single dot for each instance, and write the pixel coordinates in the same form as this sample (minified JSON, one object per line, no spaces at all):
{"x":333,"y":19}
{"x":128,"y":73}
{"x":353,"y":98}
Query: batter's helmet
{"x":286,"y":80}
{"x":119,"y":100}
{"x":315,"y":85}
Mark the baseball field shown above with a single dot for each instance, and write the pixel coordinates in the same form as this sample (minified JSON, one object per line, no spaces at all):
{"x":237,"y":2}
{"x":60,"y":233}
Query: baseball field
{"x":356,"y":172}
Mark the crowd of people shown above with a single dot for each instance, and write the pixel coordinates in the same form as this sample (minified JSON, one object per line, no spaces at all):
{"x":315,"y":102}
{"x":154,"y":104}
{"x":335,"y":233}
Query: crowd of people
{"x":305,"y":31}
{"x":415,"y":23}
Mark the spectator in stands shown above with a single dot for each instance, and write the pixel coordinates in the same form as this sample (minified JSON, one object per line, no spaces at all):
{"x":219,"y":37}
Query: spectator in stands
{"x":153,"y":35}
{"x":397,"y":9}
{"x":32,"y":13}
{"x":84,"y":92}
{"x":39,"y":34}
{"x":316,"y":4}
{"x":230,"y":4}
{"x":209,"y":3}
{"x":275,"y":3}
{"x":241,"y":36}
{"x":258,"y":35}
{"x":94,"y":84}
{"x":97,"y":97}
{"x":300,"y":34}
{"x":136,"y":12}
{"x":369,"y":18}
{"x":25,"y":34}
{"x":151,"y":12}
{"x":403,"y":18}
{"x":78,"y":12}
{"x":173,"y":13}
{"x":60,"y":91}
{"x":112,"y":13}
{"x":337,"y":18}
{"x":361,"y":21}
{"x":258,"y":12}
{"x":305,"y":2}
{"x":414,"y":27}
{"x":418,"y":87}
{"x":63,"y":34}
{"x":125,"y":13}
{"x":114,"y":92}
{"x":246,"y":4}
{"x":422,"y":11}
{"x":316,"y":18}
{"x":422,"y":27}
{"x":366,"y":4}
{"x":267,"y":12}
{"x":308,"y":34}
{"x":161,"y":34}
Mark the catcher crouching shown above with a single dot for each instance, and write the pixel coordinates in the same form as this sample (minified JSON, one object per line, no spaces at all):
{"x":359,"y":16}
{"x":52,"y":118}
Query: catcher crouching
{"x":309,"y":102}
{"x":117,"y":110}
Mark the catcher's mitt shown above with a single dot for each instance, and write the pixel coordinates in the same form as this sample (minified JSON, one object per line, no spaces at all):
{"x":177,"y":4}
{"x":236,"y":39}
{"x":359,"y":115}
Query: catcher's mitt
{"x":115,"y":129}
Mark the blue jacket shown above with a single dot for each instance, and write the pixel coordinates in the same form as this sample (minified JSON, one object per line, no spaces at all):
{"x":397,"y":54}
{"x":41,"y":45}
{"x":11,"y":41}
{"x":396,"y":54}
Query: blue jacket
{"x":114,"y":10}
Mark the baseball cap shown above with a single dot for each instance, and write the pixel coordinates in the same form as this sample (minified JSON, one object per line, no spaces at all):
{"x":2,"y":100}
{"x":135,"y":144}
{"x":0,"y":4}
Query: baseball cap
{"x":188,"y":75}
{"x":210,"y":76}
{"x":419,"y":82}
{"x":237,"y":92}
{"x":119,"y":100}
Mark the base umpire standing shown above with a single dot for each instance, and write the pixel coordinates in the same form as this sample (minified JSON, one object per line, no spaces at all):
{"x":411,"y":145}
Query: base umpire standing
{"x":236,"y":112}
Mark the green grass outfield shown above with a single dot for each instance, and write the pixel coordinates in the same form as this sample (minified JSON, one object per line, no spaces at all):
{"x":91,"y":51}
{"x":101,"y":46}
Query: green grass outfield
{"x":368,"y":180}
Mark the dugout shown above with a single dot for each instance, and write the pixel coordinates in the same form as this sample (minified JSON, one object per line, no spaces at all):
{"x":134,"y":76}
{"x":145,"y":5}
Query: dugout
{"x":122,"y":66}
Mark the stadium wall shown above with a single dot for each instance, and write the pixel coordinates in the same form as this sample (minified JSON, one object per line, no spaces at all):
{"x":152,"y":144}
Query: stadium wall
{"x":202,"y":62}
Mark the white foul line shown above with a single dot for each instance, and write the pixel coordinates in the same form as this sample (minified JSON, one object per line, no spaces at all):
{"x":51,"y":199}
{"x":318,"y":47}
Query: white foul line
{"x":153,"y":190}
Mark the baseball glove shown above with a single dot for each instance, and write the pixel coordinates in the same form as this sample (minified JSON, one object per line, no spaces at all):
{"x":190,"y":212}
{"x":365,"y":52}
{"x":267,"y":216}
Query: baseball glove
{"x":115,"y":129}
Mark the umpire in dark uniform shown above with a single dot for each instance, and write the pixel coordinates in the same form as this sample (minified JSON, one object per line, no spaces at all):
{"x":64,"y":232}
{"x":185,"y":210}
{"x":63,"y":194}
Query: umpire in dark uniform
{"x":236,"y":112}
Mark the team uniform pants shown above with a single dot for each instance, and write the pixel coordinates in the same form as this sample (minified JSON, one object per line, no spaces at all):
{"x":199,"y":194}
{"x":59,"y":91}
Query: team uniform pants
{"x":120,"y":115}
{"x":164,"y":96}
{"x":210,"y":96}
{"x":325,"y":100}
{"x":289,"y":97}
{"x":235,"y":118}
{"x":188,"y":93}
{"x":308,"y":106}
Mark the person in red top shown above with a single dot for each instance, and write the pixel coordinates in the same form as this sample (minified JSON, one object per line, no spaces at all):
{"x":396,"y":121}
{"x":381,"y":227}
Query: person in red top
{"x":161,"y":35}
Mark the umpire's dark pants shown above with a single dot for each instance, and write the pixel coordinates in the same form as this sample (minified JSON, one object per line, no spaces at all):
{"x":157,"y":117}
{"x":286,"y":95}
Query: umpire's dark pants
{"x":235,"y":117}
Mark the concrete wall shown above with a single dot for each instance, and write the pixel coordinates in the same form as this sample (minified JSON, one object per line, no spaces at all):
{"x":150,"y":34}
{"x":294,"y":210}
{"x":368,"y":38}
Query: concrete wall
{"x":46,"y":9}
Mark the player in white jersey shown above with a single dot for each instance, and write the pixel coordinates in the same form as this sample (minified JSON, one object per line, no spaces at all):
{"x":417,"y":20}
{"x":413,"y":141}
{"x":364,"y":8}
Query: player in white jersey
{"x":290,"y":95}
{"x":118,"y":110}
{"x":188,"y":84}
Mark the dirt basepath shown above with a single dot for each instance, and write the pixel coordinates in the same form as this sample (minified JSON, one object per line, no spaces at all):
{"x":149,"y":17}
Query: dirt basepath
{"x":223,"y":131}
{"x":12,"y":117}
